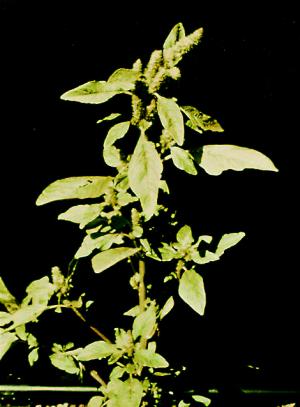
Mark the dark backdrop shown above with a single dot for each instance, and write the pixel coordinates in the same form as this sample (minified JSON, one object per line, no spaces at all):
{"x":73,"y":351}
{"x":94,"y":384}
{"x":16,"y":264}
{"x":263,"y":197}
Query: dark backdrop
{"x":243,"y":73}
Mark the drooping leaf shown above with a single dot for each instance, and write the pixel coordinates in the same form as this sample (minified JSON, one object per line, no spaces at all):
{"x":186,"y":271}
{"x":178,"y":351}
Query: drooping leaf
{"x":144,"y":324}
{"x":104,"y":242}
{"x":108,"y":258}
{"x":94,"y":92}
{"x":183,"y":160}
{"x":217,"y":158}
{"x":111,"y":154}
{"x":184,"y":236}
{"x":146,"y":357}
{"x":227,"y":241}
{"x":167,"y":307}
{"x":191,"y":290}
{"x":201,"y":399}
{"x":75,"y":188}
{"x":121,"y":394}
{"x":207,"y":258}
{"x":82,"y":214}
{"x":96,"y":350}
{"x":171,"y":118}
{"x":64,"y":362}
{"x":33,"y":356}
{"x":175,"y":35}
{"x":111,"y":116}
{"x":144,"y":174}
{"x":28,"y":313}
{"x":6,"y":340}
{"x":200,"y":121}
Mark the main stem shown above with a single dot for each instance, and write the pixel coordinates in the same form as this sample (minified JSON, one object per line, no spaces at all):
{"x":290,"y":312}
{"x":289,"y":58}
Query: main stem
{"x":142,"y":288}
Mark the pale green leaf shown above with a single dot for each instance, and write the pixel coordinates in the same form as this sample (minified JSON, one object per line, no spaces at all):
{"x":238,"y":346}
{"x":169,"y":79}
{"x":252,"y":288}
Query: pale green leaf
{"x":167,"y":252}
{"x":227,"y":241}
{"x":217,"y":158}
{"x":207,"y":258}
{"x":191,"y":290}
{"x":64,"y":362}
{"x":5,"y":318}
{"x":175,"y":35}
{"x":201,"y":399}
{"x":93,"y":92}
{"x":6,"y":340}
{"x":89,"y":244}
{"x":96,"y":401}
{"x":96,"y":350}
{"x":117,"y":372}
{"x":121,"y":394}
{"x":6,"y":298}
{"x":28,"y":313}
{"x":111,"y":154}
{"x":167,"y":307}
{"x":144,"y":174}
{"x":183,"y":160}
{"x":39,"y":292}
{"x":146,"y":357}
{"x":184,"y":236}
{"x":82,"y":214}
{"x":110,"y":117}
{"x":108,"y":258}
{"x":171,"y":118}
{"x":132,"y":312}
{"x":183,"y":404}
{"x":33,"y":356}
{"x":75,"y":188}
{"x":200,"y":121}
{"x":144,"y":324}
{"x":123,"y":78}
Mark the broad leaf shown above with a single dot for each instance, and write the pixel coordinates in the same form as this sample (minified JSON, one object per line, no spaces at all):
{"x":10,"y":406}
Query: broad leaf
{"x":82,"y":214}
{"x":183,"y":160}
{"x":111,"y":154}
{"x":191,"y":290}
{"x":175,"y":35}
{"x":64,"y":362}
{"x":108,"y":258}
{"x":146,"y":357}
{"x":201,"y":399}
{"x":111,"y":116}
{"x":200,"y":121}
{"x":167,"y":307}
{"x":144,"y":174}
{"x":144,"y":324}
{"x":39,"y":292}
{"x":103,"y":243}
{"x":5,"y":318}
{"x":6,"y":340}
{"x":75,"y":188}
{"x":227,"y":241}
{"x":96,"y":350}
{"x":123,"y":78}
{"x":96,"y":401}
{"x":171,"y":118}
{"x":28,"y":313}
{"x":121,"y":394}
{"x":217,"y":158}
{"x":184,"y":236}
{"x":94,"y":92}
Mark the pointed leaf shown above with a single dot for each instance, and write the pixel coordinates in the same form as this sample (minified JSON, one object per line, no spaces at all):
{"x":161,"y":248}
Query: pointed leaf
{"x":191,"y":290}
{"x":146,"y":357}
{"x":96,"y":350}
{"x":89,"y":244}
{"x":227,"y":241}
{"x":171,"y":118}
{"x":6,"y":298}
{"x":167,"y":307}
{"x":144,"y":324}
{"x":184,"y":236}
{"x":6,"y":340}
{"x":75,"y":188}
{"x":82,"y":214}
{"x":33,"y":356}
{"x":175,"y":35}
{"x":111,"y":154}
{"x":108,"y":258}
{"x":202,"y":399}
{"x":111,"y":116}
{"x":94,"y":92}
{"x":183,"y":160}
{"x":200,"y":121}
{"x":144,"y":174}
{"x":220,"y":157}
{"x":123,"y":78}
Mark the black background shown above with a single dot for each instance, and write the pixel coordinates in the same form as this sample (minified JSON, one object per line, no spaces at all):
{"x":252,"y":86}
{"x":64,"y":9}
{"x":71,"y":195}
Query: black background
{"x":243,"y":73}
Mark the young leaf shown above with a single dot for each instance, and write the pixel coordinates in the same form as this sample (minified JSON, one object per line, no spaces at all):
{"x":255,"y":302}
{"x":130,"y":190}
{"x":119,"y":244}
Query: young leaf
{"x":82,"y":214}
{"x":75,"y":188}
{"x":200,"y":121}
{"x":6,"y":340}
{"x":227,"y":241}
{"x":121,"y":394}
{"x":171,"y":118}
{"x":183,"y":160}
{"x":111,"y":154}
{"x":111,"y":116}
{"x":191,"y":290}
{"x":144,"y":324}
{"x":96,"y":350}
{"x":103,"y":243}
{"x":217,"y":158}
{"x":33,"y":356}
{"x":64,"y":362}
{"x":94,"y":92}
{"x":146,"y":357}
{"x":175,"y":35}
{"x":184,"y":236}
{"x":202,"y":399}
{"x":167,"y":307}
{"x":144,"y":174}
{"x":108,"y":258}
{"x":96,"y":401}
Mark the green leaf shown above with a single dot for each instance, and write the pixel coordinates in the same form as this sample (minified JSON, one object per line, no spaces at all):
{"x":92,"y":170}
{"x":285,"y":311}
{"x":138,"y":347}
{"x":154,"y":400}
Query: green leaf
{"x":64,"y":362}
{"x":75,"y":188}
{"x":96,"y":401}
{"x":171,"y":118}
{"x":183,"y":160}
{"x":191,"y":290}
{"x":167,"y":307}
{"x":207,"y":258}
{"x":6,"y":340}
{"x":28,"y":313}
{"x":184,"y":236}
{"x":144,"y":324}
{"x":200,"y":121}
{"x":175,"y":35}
{"x":217,"y":158}
{"x":110,"y":117}
{"x":96,"y":350}
{"x":227,"y":241}
{"x":123,"y":78}
{"x":202,"y":399}
{"x":5,"y":318}
{"x":144,"y":174}
{"x":111,"y":154}
{"x":183,"y":404}
{"x":146,"y":357}
{"x":108,"y":258}
{"x":82,"y":214}
{"x":33,"y":356}
{"x":39,"y":291}
{"x":167,"y":252}
{"x":6,"y":298}
{"x":121,"y":394}
{"x":89,"y":244}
